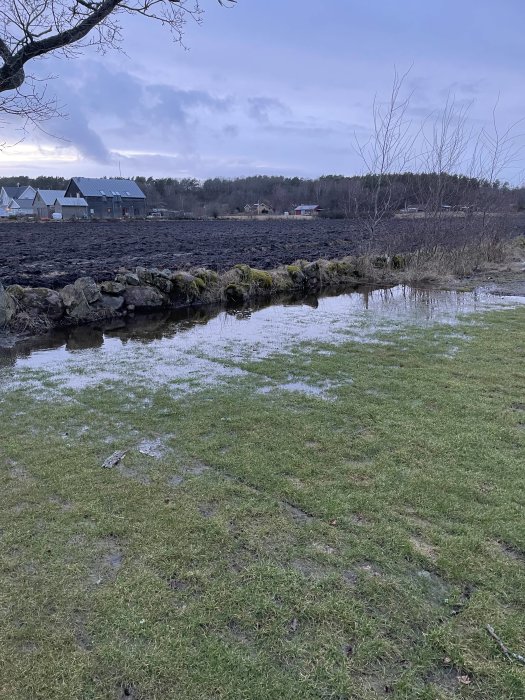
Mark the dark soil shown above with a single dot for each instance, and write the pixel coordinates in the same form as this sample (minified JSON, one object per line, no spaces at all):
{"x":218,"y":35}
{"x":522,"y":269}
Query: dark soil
{"x":53,"y":254}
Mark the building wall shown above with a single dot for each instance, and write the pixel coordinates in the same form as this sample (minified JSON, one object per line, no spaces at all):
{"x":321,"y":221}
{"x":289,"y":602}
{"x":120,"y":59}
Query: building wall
{"x":71,"y":212}
{"x":41,"y":209}
{"x":109,"y":207}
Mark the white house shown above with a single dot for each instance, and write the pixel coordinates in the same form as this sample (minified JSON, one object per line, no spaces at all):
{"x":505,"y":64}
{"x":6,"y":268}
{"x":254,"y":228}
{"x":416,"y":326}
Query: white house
{"x":17,"y":201}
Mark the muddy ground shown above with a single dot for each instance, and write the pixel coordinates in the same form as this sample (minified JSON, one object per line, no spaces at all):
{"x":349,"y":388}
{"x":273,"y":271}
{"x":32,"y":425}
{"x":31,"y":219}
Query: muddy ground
{"x":53,"y":254}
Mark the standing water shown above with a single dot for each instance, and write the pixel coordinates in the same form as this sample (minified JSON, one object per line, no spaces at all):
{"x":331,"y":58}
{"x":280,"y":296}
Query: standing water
{"x":202,"y":346}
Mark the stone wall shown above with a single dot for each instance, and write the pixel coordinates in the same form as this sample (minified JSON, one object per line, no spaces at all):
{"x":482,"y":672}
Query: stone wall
{"x":142,"y":289}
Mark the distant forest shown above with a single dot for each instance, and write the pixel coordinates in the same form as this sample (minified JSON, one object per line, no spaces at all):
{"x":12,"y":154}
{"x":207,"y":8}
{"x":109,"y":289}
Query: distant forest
{"x":338,"y":196}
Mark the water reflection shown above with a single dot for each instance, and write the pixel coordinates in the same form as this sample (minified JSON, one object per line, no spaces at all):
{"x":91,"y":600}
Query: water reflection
{"x":188,"y":341}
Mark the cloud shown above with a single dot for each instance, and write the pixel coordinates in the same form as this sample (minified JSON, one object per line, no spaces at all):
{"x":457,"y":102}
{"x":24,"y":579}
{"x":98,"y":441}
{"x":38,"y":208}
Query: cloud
{"x":260,"y":108}
{"x":173,"y":105}
{"x":75,"y":130}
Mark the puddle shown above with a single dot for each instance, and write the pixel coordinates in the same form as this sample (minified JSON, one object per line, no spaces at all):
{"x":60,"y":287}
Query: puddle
{"x":320,"y":390}
{"x":195,"y":348}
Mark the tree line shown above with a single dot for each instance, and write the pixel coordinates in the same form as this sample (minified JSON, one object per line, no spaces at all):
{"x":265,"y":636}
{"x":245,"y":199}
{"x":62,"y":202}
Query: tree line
{"x":338,"y":196}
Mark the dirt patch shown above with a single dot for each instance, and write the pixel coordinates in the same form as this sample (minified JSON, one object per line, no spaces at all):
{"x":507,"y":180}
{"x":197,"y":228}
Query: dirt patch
{"x":437,"y":589}
{"x":358,"y":519}
{"x":61,"y":503}
{"x":155,"y":448}
{"x":208,"y":510}
{"x":242,"y":559}
{"x":196,"y":470}
{"x":295,"y":482}
{"x":424,"y":548}
{"x":350,"y":577}
{"x":309,"y":568}
{"x":445,"y":678}
{"x":297,"y":514}
{"x":134,"y":474}
{"x":323,"y":548}
{"x":127,"y":691}
{"x":107,"y":562}
{"x":82,"y":637}
{"x":369,"y":568}
{"x":177,"y":584}
{"x":19,"y":473}
{"x":239,"y":633}
{"x":510,"y":551}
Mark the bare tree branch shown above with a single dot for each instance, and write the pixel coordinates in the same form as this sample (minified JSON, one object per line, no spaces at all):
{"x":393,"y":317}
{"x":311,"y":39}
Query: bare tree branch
{"x":32,"y":29}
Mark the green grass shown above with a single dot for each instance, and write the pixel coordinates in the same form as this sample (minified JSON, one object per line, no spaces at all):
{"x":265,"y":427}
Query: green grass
{"x":352,"y":545}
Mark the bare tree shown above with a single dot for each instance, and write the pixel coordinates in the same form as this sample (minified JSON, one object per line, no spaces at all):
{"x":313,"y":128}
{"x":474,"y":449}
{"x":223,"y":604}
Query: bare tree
{"x":388,"y":150}
{"x":497,"y":149}
{"x":33,"y":29}
{"x":446,"y":138}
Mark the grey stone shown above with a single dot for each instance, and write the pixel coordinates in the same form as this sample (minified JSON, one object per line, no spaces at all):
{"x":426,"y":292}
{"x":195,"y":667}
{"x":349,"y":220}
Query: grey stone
{"x":88,"y":287}
{"x":127,"y":278}
{"x":69,"y":296}
{"x":111,"y":287}
{"x":163,"y":284}
{"x":75,"y":302}
{"x":182,"y":278}
{"x":145,"y":275}
{"x":111,"y":302}
{"x":144,"y":297}
{"x":132,"y":279}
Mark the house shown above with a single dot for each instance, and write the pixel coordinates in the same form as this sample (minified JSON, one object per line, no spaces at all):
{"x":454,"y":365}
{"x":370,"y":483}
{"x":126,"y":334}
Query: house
{"x":109,"y":198}
{"x":71,"y":207}
{"x":257,"y":209}
{"x":17,"y":201}
{"x":307,"y":210}
{"x":44,"y":202}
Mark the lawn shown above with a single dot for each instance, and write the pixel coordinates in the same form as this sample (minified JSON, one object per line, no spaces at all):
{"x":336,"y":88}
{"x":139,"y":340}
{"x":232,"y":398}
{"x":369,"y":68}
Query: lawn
{"x":342,"y":521}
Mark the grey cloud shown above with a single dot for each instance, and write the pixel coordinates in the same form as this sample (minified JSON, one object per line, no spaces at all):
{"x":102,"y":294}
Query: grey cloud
{"x":105,"y":104}
{"x":74,"y":129}
{"x":260,"y":108}
{"x":171,"y":104}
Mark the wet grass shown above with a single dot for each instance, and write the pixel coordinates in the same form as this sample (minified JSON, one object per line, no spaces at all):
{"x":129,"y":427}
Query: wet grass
{"x":277,"y":544}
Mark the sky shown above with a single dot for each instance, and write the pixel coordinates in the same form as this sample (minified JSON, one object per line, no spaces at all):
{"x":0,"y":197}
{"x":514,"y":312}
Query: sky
{"x":279,"y":87}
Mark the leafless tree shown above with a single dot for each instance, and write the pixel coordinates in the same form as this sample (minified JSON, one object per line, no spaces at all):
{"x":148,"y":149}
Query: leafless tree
{"x":388,"y":150}
{"x":497,"y":150}
{"x":34,"y":29}
{"x":446,"y":140}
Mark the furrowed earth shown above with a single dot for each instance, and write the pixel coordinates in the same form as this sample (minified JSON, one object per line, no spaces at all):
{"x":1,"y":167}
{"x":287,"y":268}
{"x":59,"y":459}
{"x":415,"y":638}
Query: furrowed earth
{"x":56,"y":254}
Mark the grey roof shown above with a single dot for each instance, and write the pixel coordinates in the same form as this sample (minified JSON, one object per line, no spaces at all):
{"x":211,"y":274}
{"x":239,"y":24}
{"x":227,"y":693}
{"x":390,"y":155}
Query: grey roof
{"x":15,"y":192}
{"x":97,"y":187}
{"x":307,"y":206}
{"x":24,"y":203}
{"x":71,"y":201}
{"x":49,"y":196}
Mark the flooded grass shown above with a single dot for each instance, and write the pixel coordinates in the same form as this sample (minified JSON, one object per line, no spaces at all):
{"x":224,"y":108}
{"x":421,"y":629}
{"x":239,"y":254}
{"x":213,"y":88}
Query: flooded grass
{"x":269,"y":544}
